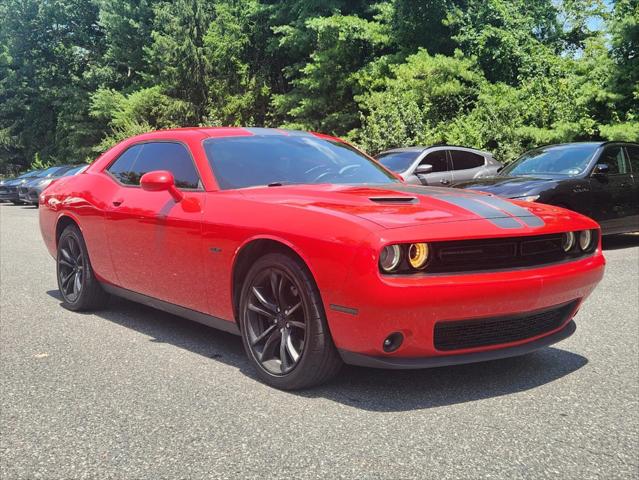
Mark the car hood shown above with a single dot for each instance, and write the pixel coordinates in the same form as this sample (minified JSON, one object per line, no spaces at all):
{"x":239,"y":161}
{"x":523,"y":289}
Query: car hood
{"x":401,"y":205}
{"x":12,"y":182}
{"x":509,"y":186}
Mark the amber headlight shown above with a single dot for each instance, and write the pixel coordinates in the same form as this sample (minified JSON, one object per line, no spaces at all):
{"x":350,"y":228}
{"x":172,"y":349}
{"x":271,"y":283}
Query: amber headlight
{"x":390,"y":257}
{"x":418,"y":255}
{"x":568,"y":241}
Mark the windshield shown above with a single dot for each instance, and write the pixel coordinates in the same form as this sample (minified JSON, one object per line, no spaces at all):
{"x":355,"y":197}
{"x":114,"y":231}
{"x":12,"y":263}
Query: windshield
{"x":240,"y":162}
{"x":397,"y":161}
{"x":74,"y":170}
{"x":49,"y":171}
{"x":569,"y":160}
{"x":32,"y":173}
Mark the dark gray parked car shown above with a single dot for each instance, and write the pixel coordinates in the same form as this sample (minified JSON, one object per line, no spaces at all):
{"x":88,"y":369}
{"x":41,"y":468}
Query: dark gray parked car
{"x":440,"y":165}
{"x":9,"y":187}
{"x":23,"y":188}
{"x":30,"y":192}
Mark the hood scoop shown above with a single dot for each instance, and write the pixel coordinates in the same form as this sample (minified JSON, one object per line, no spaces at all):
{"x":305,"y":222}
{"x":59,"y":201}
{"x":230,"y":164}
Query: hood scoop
{"x":388,"y":200}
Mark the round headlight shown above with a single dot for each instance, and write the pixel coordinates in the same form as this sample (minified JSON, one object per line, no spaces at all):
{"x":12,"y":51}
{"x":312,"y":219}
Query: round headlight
{"x":390,"y":257}
{"x":418,"y":255}
{"x":568,"y":241}
{"x":585,"y":240}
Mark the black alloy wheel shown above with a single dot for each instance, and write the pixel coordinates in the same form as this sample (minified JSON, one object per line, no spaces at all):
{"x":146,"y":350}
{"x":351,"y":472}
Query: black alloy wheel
{"x":283,"y":324}
{"x":70,"y":268}
{"x":79,"y":288}
{"x":276,"y":321}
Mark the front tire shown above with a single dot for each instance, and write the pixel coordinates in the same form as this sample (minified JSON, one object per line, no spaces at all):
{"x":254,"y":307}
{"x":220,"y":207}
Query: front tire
{"x":284,"y":329}
{"x":80,"y":289}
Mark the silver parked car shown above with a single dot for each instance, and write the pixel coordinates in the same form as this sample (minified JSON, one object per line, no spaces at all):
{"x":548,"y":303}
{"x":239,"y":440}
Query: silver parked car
{"x":440,"y":165}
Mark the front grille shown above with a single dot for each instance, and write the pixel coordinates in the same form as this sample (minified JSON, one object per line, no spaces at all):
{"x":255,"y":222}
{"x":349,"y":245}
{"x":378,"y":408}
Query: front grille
{"x":496,"y":254}
{"x":457,"y":335}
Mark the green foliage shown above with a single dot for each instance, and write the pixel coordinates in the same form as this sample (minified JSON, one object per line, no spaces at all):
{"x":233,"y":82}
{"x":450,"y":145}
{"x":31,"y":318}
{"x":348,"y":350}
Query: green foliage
{"x":77,"y":76}
{"x":139,"y":112}
{"x":39,"y":164}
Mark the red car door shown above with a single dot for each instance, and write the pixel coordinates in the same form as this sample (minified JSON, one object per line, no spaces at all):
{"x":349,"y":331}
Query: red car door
{"x":156,"y":242}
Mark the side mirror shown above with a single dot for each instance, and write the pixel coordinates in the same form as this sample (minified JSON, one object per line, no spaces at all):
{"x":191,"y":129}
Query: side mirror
{"x":160,"y":181}
{"x":423,"y":169}
{"x":601,"y":169}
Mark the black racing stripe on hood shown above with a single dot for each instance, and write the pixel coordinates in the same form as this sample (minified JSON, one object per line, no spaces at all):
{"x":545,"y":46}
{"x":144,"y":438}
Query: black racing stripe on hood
{"x":483,"y":210}
{"x":524,"y":215}
{"x":484,"y":206}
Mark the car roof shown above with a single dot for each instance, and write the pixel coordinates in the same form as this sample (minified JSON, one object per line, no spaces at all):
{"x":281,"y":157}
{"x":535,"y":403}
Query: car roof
{"x":220,"y":132}
{"x":597,"y":143}
{"x":422,"y":148}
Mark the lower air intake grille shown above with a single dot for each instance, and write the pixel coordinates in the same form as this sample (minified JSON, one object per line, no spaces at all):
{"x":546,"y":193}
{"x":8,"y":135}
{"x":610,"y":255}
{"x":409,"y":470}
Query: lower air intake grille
{"x":483,"y":332}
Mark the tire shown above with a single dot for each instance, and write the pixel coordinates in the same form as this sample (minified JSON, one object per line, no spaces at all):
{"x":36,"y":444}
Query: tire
{"x":280,"y":281}
{"x":78,"y":286}
{"x":17,"y":202}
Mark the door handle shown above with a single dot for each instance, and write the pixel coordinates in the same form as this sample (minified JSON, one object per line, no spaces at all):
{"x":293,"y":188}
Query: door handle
{"x":117,"y":203}
{"x":443,"y":181}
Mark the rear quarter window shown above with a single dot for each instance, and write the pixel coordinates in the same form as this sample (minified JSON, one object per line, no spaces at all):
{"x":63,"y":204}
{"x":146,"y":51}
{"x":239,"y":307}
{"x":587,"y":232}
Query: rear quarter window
{"x":466,"y":160}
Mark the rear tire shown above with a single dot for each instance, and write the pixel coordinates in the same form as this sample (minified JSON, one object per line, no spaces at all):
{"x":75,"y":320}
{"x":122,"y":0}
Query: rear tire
{"x":78,"y":286}
{"x":283,"y":324}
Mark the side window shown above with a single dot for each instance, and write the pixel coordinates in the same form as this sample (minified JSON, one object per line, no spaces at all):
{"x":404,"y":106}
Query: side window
{"x":466,"y":160}
{"x":146,"y":157}
{"x":437,"y":160}
{"x":121,"y":168}
{"x":615,"y":159}
{"x":633,"y":154}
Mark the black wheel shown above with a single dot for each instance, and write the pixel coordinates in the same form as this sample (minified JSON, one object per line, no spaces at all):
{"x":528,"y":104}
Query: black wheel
{"x":17,"y":202}
{"x":79,"y":288}
{"x":283,"y":325}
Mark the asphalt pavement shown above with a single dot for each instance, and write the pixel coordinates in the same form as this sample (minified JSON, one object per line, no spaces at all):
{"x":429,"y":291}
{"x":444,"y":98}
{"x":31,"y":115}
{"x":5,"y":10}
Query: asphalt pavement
{"x":134,"y":393}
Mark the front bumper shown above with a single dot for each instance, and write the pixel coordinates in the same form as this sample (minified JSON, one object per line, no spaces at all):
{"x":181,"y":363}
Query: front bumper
{"x":32,"y":197}
{"x":23,"y":193}
{"x":408,"y":363}
{"x":9,"y":194}
{"x":414,"y":305}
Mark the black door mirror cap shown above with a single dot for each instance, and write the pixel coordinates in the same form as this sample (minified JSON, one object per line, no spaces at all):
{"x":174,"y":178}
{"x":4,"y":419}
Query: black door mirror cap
{"x":601,"y":169}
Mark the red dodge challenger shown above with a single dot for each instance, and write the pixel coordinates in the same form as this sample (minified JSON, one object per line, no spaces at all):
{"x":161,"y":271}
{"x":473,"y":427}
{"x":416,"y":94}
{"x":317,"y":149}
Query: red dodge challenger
{"x":315,"y":254}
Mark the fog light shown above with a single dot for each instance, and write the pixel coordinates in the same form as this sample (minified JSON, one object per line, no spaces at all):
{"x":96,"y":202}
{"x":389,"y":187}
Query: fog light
{"x":568,"y":241}
{"x":393,"y":342}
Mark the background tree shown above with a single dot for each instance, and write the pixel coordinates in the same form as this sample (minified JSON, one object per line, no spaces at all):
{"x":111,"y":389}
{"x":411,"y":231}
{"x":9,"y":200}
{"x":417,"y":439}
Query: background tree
{"x":77,"y":76}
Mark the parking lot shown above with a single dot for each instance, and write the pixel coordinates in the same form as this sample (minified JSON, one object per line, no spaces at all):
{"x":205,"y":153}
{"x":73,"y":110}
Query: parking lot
{"x":131,"y":392}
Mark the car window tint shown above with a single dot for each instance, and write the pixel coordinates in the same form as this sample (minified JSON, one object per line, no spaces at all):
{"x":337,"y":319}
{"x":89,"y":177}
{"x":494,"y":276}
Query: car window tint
{"x":437,"y":160}
{"x":397,"y":161}
{"x":614,"y":157}
{"x":633,"y":153}
{"x":147,"y":157}
{"x":465,"y":160}
{"x":121,"y":168}
{"x":240,"y":162}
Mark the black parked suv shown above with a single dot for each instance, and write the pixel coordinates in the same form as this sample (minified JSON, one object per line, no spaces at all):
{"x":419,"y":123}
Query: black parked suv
{"x":598,"y":179}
